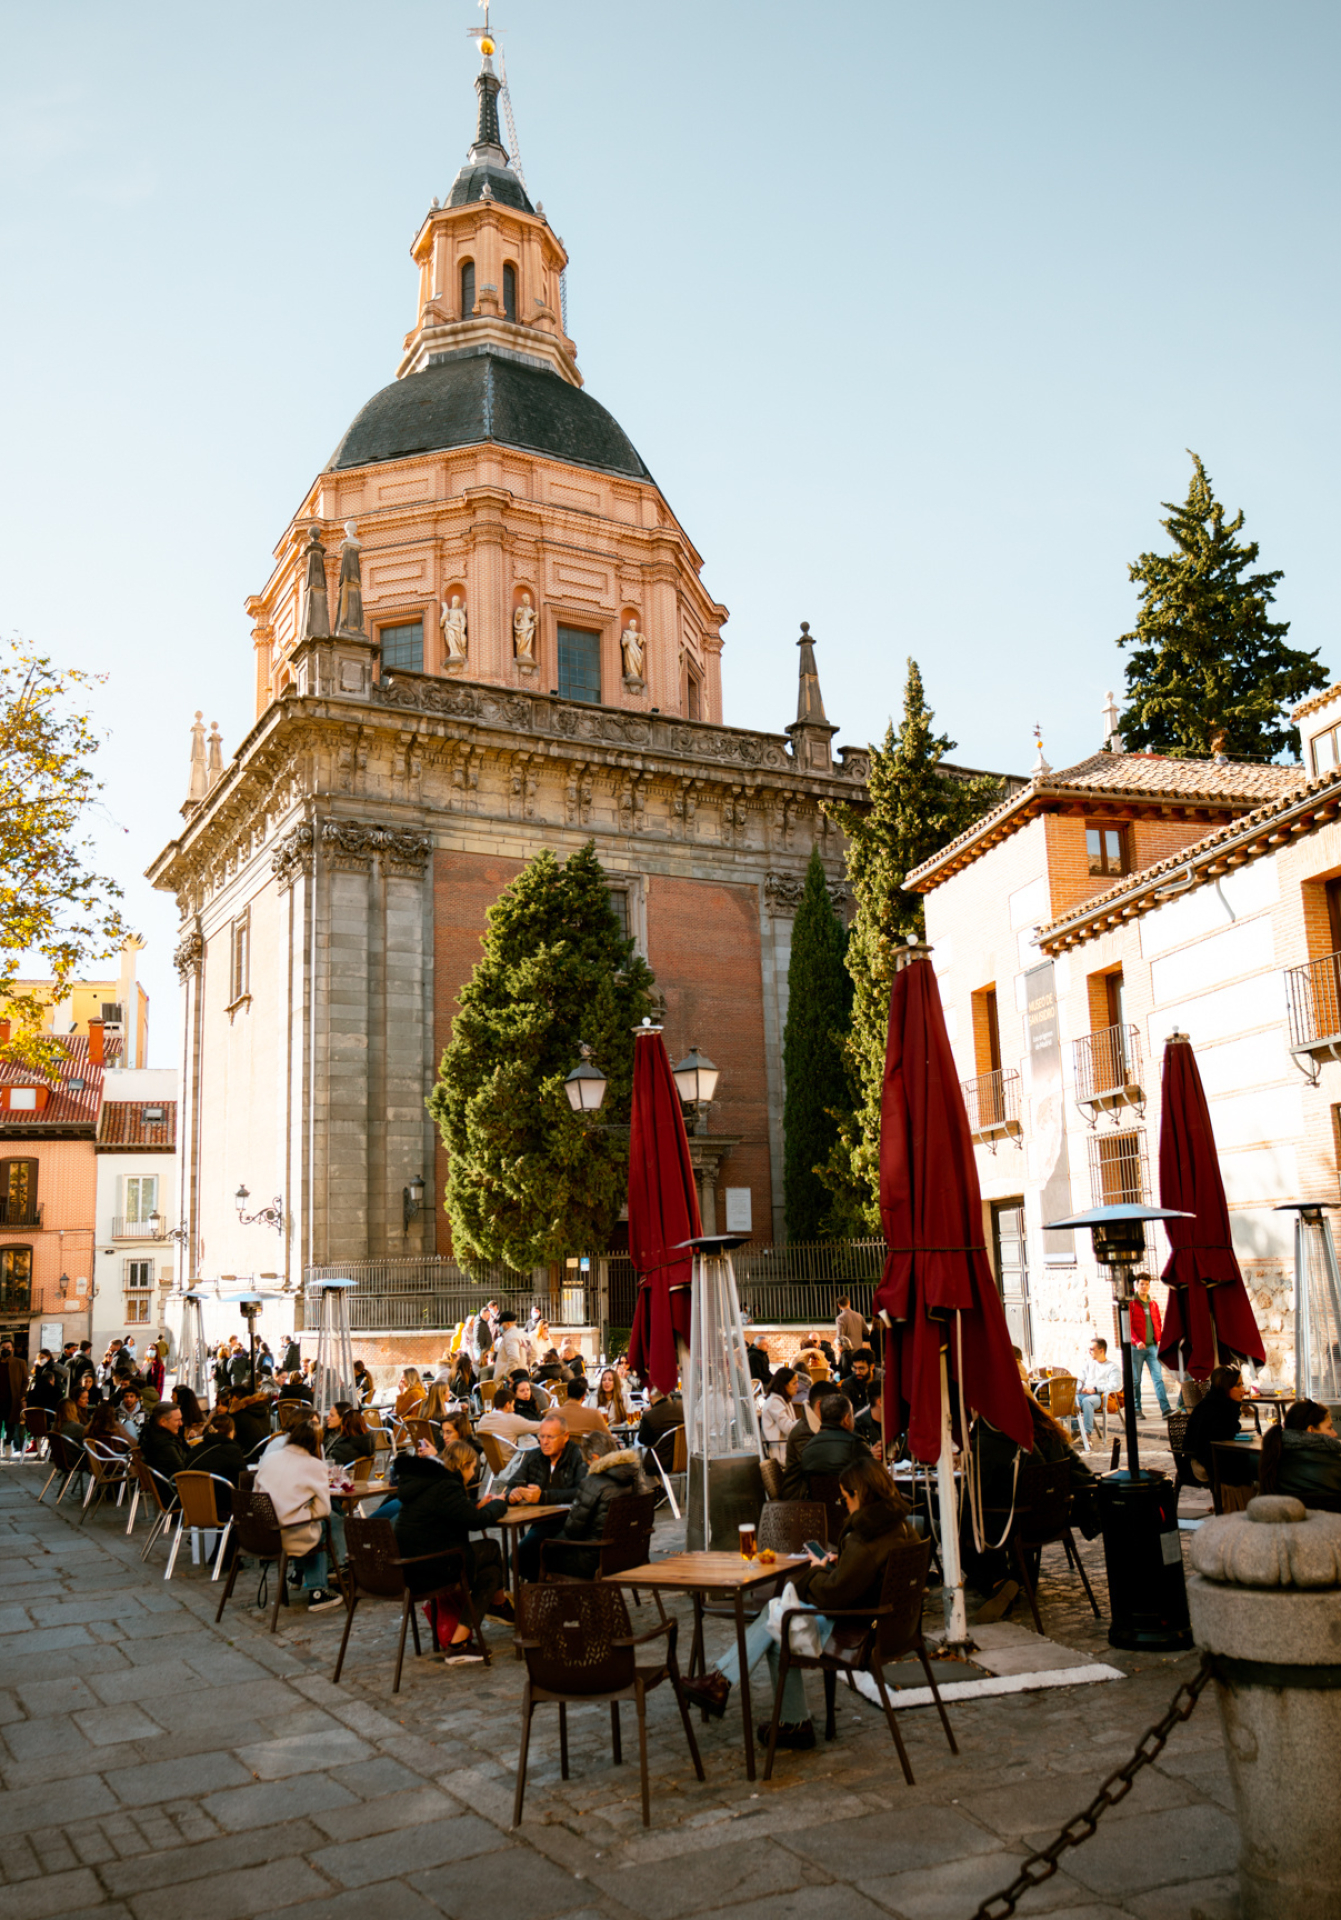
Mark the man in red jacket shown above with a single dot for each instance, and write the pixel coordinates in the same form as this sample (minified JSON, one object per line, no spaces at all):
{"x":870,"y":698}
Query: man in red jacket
{"x":1146,"y":1327}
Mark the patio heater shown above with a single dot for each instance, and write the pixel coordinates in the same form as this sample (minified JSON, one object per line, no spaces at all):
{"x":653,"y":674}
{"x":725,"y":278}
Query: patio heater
{"x":721,"y":1425}
{"x":249,"y":1305}
{"x":1317,"y":1305}
{"x":192,"y":1359}
{"x":1138,"y":1509}
{"x":335,"y":1356}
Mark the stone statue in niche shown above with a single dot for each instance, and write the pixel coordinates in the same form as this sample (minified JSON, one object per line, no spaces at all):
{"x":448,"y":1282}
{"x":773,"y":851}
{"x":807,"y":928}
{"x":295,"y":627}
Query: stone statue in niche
{"x":523,"y":634}
{"x":349,"y":599}
{"x":454,"y":632}
{"x":634,"y":645}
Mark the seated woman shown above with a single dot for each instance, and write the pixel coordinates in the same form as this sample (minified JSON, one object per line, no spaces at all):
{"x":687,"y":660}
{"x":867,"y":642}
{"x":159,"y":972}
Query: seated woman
{"x":346,"y":1440}
{"x":877,"y":1523}
{"x":293,"y":1474}
{"x":1303,"y":1458}
{"x":410,"y":1395}
{"x":364,"y":1384}
{"x":612,"y":1470}
{"x":106,"y":1431}
{"x":611,"y":1398}
{"x":777,"y":1415}
{"x":193,"y":1414}
{"x":437,"y":1516}
{"x":461,"y":1379}
{"x":525,"y":1400}
{"x":69,"y":1425}
{"x":438,"y":1403}
{"x":1215,"y":1417}
{"x":220,"y":1454}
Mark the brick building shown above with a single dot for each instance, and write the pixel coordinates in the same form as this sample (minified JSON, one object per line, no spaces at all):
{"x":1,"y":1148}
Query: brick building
{"x":508,"y":648}
{"x":1071,"y":930}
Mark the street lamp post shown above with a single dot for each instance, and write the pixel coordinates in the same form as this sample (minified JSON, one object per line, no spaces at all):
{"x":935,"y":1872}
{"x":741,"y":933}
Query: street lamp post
{"x":271,"y":1216}
{"x":1138,"y":1509}
{"x":696,"y":1083}
{"x":250,"y":1305}
{"x":411,"y":1202}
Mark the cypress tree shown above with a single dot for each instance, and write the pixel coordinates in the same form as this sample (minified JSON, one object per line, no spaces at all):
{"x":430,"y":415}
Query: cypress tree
{"x":1209,"y":671}
{"x":915,"y":810}
{"x":817,"y":1013}
{"x":527,"y":1183}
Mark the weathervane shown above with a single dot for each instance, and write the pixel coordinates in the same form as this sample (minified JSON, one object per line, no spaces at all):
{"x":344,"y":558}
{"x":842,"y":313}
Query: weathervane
{"x":483,"y":34}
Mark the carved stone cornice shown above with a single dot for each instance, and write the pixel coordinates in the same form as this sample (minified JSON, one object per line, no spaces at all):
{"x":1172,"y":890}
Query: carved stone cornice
{"x":783,"y":892}
{"x":188,"y":956}
{"x":292,"y":856}
{"x":358,"y":842}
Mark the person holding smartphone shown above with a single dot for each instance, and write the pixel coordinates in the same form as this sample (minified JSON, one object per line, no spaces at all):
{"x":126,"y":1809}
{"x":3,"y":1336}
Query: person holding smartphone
{"x":877,"y":1523}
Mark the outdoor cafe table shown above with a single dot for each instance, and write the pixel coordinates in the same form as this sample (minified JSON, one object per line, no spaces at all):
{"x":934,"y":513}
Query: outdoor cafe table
{"x":699,"y":1574}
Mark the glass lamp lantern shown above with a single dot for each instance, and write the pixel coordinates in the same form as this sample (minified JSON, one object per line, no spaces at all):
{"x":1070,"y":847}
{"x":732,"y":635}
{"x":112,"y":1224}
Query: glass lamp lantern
{"x":586,"y":1084}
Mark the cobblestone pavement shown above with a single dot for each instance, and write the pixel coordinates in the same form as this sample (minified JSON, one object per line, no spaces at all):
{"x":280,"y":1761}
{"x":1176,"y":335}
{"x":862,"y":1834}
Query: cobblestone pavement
{"x":156,"y":1766}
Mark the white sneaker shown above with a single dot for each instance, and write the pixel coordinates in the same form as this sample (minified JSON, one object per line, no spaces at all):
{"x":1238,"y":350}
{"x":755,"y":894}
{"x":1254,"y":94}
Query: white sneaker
{"x":321,"y":1600}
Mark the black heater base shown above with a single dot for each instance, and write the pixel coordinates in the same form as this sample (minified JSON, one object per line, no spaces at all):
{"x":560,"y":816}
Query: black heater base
{"x":1144,"y":1557}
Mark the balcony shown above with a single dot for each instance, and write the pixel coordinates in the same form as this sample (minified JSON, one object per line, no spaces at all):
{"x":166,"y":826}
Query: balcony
{"x":1108,"y":1073}
{"x":992,"y":1103}
{"x":19,"y":1213}
{"x":1313,"y":996}
{"x":16,"y":1297}
{"x":123,"y":1229}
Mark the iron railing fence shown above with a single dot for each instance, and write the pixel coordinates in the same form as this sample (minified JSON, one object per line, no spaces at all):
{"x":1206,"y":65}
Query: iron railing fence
{"x":1313,"y":993}
{"x":992,"y":1102}
{"x":797,"y":1283}
{"x":19,"y":1213}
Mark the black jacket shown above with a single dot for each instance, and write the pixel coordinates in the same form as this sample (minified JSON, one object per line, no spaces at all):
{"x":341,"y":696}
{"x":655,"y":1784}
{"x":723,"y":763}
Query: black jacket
{"x":558,"y":1480}
{"x":831,"y":1451}
{"x":1214,"y":1418}
{"x":793,"y":1480}
{"x":216,"y":1455}
{"x":1310,"y":1464}
{"x":607,"y":1478}
{"x":163,"y":1451}
{"x":251,"y":1425}
{"x":239,"y":1368}
{"x":868,"y":1538}
{"x":438,"y":1514}
{"x":345,"y":1450}
{"x":761,"y":1367}
{"x":655,"y":1427}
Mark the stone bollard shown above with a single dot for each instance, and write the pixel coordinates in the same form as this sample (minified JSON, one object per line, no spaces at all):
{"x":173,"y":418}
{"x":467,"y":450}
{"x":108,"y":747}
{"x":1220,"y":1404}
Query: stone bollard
{"x":1265,"y":1600}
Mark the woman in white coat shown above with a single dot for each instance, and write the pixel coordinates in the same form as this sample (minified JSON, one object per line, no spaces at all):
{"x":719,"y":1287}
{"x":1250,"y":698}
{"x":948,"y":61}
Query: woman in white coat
{"x":293,"y":1473}
{"x":777,"y":1415}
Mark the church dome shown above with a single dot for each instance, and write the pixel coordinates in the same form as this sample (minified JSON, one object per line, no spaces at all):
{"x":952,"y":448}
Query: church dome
{"x":483,"y":394}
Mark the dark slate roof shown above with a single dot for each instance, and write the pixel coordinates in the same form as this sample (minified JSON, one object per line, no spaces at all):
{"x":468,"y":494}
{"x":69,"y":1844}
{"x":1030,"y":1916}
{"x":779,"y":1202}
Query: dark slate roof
{"x":482,"y":395}
{"x":503,"y":185}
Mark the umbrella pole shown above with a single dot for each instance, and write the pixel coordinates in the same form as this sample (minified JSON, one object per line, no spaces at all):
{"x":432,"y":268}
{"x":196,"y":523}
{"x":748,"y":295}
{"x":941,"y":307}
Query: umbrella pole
{"x":956,"y":1610}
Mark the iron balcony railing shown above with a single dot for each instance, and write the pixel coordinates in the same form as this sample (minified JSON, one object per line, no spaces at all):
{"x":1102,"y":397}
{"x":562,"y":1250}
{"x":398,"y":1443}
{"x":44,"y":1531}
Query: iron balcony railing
{"x":123,"y":1229}
{"x":19,"y":1213}
{"x":1313,"y":994}
{"x":16,"y":1297}
{"x":992,"y":1103}
{"x":1108,"y":1066}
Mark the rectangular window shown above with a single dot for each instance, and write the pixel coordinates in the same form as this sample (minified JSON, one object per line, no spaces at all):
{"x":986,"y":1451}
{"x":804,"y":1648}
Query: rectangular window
{"x":619,"y":906}
{"x":1119,"y":1169}
{"x":139,"y":1291}
{"x":1107,"y":849}
{"x":18,"y":1193}
{"x":403,"y":647}
{"x":1323,"y":748}
{"x":16,"y":1279}
{"x":141,"y":1198}
{"x":579,"y":665}
{"x":693,"y":698}
{"x":239,"y":959}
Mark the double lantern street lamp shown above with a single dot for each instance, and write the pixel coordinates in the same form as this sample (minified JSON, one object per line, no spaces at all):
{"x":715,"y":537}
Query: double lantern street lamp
{"x":695,"y":1081}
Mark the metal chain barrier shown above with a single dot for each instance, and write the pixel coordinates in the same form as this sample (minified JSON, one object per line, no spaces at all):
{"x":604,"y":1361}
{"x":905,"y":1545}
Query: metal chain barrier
{"x":1042,"y":1865}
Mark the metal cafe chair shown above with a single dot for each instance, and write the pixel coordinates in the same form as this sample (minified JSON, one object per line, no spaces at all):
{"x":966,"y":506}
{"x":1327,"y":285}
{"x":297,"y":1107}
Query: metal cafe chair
{"x":37,"y":1423}
{"x":1043,"y":1519}
{"x":198,"y":1513}
{"x":160,"y":1500}
{"x":626,"y":1542}
{"x":377,"y":1571}
{"x":888,"y":1633}
{"x":580,"y":1650}
{"x":258,"y":1535}
{"x":64,"y":1459}
{"x":110,"y":1471}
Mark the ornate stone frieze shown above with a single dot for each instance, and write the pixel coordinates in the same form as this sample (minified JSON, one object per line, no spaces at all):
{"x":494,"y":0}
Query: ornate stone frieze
{"x":292,"y":856}
{"x":783,"y":892}
{"x":355,"y":843}
{"x":189,"y":953}
{"x":735,"y":749}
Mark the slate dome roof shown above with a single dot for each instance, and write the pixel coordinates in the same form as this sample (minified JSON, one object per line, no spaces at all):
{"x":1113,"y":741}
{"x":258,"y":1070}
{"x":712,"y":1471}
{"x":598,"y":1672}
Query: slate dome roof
{"x":486,"y":395}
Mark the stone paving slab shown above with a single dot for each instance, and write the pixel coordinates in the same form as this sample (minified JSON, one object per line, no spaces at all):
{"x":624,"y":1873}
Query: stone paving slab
{"x":159,"y":1767}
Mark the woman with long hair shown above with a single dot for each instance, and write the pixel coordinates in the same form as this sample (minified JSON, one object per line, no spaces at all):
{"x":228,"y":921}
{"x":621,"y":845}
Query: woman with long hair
{"x":777,"y":1415}
{"x":193,"y":1414}
{"x":106,"y":1430}
{"x":461,"y":1380}
{"x":526,"y":1400}
{"x":609,"y":1398}
{"x":850,"y":1579}
{"x":1303,"y":1457}
{"x":410,"y":1396}
{"x":437,"y":1405}
{"x":346,"y":1440}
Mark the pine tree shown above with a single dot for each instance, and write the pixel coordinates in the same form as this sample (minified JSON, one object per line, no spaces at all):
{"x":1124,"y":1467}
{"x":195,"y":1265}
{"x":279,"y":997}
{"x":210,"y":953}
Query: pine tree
{"x":818,"y":1000}
{"x":915,"y":810}
{"x":527,"y":1183}
{"x":1210,"y":672}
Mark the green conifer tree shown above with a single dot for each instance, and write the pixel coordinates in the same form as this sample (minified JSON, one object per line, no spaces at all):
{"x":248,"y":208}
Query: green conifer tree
{"x":527,"y":1183}
{"x":818,"y":1002}
{"x":1209,"y":671}
{"x":915,"y":810}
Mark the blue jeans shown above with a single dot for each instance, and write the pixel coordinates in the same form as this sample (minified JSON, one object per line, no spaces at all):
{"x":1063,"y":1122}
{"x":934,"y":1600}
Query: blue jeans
{"x":312,"y":1566}
{"x":760,"y":1645}
{"x":1089,"y":1406}
{"x":1148,"y":1357}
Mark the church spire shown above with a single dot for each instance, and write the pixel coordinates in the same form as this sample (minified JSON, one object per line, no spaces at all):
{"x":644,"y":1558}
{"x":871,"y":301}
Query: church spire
{"x":488,"y":150}
{"x":810,"y":732}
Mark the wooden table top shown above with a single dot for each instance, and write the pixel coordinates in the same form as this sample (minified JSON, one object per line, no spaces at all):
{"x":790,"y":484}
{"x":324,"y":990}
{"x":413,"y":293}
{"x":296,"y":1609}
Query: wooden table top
{"x":520,"y":1515}
{"x":703,"y":1570}
{"x":362,"y":1490}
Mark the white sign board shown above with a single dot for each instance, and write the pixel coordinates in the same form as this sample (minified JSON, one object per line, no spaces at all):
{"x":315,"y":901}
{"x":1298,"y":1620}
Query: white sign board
{"x":738,"y":1214}
{"x":51,"y":1336}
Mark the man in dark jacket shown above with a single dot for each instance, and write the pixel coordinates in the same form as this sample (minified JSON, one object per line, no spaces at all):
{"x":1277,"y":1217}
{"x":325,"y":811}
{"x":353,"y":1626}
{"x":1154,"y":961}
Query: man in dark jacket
{"x":162,"y":1446}
{"x":859,"y":1383}
{"x":251,"y":1421}
{"x":835,"y":1446}
{"x":658,"y":1426}
{"x":437,"y":1516}
{"x":549,"y":1476}
{"x":13,"y":1387}
{"x":219,"y":1454}
{"x":756,"y":1358}
{"x":1216,"y":1417}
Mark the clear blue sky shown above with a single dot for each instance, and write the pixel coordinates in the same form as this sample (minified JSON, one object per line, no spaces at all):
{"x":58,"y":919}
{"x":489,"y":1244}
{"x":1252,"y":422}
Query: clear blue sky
{"x":911,"y":310}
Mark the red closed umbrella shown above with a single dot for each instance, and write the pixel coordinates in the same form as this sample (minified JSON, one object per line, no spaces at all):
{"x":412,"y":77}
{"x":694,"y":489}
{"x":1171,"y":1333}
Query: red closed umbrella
{"x":1210,"y":1320}
{"x":663,"y":1215}
{"x":937,"y":1288}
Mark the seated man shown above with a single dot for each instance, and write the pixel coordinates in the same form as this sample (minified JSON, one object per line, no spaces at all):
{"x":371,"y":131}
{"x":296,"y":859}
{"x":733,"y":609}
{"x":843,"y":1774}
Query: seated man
{"x":1215,"y":1417}
{"x":658,"y":1427}
{"x":859,"y":1383}
{"x":503,"y":1421}
{"x":1101,"y":1377}
{"x":162,"y":1446}
{"x":577,"y":1417}
{"x":548,"y":1476}
{"x":833,"y":1449}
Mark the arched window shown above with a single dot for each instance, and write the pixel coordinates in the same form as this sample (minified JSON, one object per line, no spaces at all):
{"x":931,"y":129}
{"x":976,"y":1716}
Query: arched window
{"x":467,"y":288}
{"x":509,"y":293}
{"x":16,"y":1279}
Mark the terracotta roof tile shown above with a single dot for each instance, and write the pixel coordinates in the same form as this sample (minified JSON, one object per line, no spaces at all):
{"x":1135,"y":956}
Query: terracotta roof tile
{"x":76,"y":1089}
{"x":125,"y":1124}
